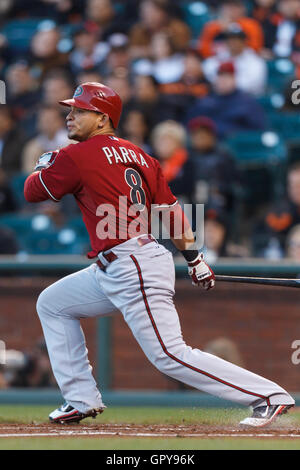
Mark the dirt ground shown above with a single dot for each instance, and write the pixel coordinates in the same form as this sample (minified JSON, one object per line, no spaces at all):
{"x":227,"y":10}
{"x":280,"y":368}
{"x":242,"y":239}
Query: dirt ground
{"x":129,"y":430}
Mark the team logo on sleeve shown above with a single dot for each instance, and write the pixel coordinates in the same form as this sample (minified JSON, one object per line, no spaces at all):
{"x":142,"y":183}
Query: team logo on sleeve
{"x":45,"y":158}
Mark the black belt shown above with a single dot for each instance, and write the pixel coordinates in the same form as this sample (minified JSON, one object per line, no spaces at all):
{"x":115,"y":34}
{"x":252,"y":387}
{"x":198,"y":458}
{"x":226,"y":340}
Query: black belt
{"x":110,"y":256}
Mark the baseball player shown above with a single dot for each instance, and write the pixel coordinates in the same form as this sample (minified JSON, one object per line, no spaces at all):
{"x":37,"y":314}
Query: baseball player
{"x":115,"y":183}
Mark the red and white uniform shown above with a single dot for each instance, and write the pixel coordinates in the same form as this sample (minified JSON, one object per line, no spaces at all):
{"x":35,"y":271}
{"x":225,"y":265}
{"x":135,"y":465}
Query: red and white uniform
{"x":139,"y":282}
{"x":96,"y":172}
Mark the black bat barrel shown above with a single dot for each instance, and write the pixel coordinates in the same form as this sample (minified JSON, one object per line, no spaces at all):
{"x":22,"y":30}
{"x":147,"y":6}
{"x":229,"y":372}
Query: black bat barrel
{"x":260,"y":280}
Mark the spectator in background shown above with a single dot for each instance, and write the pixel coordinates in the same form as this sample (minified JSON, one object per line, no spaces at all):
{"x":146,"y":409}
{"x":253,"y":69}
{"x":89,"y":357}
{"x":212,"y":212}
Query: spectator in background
{"x":230,"y":11}
{"x":226,"y":349}
{"x":52,"y":135}
{"x":193,"y":78}
{"x":292,"y":246}
{"x":12,"y":141}
{"x":7,"y":199}
{"x":121,"y":84}
{"x":3,"y":382}
{"x":118,"y":60}
{"x":217,"y":242}
{"x":8,"y":241}
{"x":45,"y":53}
{"x":91,"y":75}
{"x":36,"y":371}
{"x":250,"y":68}
{"x":166,"y":64}
{"x":213,"y":168}
{"x":271,"y":231}
{"x":287,"y":37}
{"x":265,"y":12}
{"x":168,"y":141}
{"x":136,"y":129}
{"x":156,"y":106}
{"x":215,"y":233}
{"x":192,"y":84}
{"x":101,"y":15}
{"x":59,"y":10}
{"x":88,"y":51}
{"x":23,"y":93}
{"x":6,"y":55}
{"x":5,"y":10}
{"x":156,"y":16}
{"x":56,"y":87}
{"x":231,"y":109}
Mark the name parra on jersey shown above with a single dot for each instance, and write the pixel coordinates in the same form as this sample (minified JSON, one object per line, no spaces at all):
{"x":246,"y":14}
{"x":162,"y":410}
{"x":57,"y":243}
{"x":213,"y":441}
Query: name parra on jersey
{"x":123,"y":155}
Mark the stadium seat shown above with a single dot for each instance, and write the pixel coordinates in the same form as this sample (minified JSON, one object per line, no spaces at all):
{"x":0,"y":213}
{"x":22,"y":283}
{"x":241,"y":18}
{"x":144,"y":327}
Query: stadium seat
{"x":17,"y":182}
{"x":20,"y":32}
{"x":261,"y":158}
{"x":271,"y":102}
{"x":77,"y":224}
{"x":52,"y":243}
{"x":280,"y":72}
{"x":195,"y":14}
{"x":286,"y":124}
{"x":19,"y":223}
{"x":257,"y":148}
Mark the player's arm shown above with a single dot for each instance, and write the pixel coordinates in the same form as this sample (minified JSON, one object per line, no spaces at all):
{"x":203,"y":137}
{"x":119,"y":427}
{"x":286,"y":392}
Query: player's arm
{"x":181,"y":234}
{"x":199,"y":271}
{"x":55,"y":175}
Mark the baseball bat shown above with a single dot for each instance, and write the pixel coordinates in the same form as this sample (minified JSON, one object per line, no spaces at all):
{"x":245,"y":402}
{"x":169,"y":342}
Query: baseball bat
{"x":260,"y":280}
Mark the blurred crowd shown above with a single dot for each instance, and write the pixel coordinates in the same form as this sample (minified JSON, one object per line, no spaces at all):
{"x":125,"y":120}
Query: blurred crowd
{"x":207,"y":88}
{"x":28,"y":368}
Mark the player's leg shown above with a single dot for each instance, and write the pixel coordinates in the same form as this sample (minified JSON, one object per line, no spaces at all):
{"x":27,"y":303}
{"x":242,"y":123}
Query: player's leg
{"x":149,"y":311}
{"x":60,"y":308}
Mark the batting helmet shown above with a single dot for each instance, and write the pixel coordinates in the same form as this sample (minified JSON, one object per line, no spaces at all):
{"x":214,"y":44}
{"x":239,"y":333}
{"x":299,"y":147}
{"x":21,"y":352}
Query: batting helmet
{"x":97,"y":97}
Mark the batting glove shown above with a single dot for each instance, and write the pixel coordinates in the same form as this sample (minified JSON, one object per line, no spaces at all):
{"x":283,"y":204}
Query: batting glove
{"x":201,"y":273}
{"x":45,"y":160}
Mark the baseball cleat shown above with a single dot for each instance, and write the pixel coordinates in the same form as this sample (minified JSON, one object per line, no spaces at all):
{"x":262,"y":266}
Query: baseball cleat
{"x":67,"y":414}
{"x":264,"y":415}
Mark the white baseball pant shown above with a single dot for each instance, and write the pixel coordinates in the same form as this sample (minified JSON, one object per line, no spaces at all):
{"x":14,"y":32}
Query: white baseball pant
{"x":140,"y":283}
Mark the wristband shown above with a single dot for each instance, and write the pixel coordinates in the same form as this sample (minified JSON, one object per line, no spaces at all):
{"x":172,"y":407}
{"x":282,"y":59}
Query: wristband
{"x":190,"y":255}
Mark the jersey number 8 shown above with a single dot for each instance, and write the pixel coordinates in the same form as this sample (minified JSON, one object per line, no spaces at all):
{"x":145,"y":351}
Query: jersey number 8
{"x":137,"y":193}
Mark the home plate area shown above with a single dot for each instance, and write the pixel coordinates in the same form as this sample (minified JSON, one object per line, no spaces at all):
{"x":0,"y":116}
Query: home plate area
{"x":155,"y":431}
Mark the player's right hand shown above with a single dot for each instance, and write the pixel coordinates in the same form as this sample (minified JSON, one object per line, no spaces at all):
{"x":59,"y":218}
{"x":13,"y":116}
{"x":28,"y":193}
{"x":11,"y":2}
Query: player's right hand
{"x":201,"y":273}
{"x":45,"y":160}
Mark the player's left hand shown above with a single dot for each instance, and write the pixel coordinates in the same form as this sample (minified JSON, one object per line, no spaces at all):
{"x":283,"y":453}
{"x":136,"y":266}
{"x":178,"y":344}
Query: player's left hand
{"x":201,"y":273}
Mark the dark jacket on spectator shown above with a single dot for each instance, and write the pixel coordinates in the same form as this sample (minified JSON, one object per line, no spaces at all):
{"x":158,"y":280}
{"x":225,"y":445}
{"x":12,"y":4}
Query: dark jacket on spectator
{"x":235,"y":112}
{"x":7,"y":200}
{"x":8,"y":242}
{"x":275,"y":224}
{"x":216,"y":169}
{"x":10,"y":156}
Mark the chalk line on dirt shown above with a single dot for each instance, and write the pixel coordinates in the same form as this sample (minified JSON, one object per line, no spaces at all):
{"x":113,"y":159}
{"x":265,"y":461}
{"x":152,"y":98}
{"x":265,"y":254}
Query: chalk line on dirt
{"x":141,"y":434}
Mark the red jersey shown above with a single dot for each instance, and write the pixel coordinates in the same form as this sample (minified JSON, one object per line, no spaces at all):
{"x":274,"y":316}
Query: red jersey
{"x":114,"y":182}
